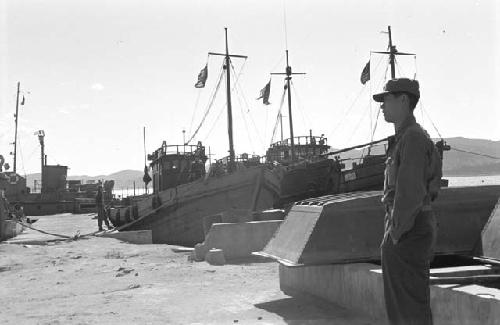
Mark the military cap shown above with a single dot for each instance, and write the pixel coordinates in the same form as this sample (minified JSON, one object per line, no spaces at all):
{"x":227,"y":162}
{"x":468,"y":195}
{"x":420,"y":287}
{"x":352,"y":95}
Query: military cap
{"x":397,"y":85}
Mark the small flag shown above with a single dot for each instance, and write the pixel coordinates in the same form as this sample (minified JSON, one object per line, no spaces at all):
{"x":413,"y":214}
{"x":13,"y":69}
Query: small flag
{"x":202,"y":77}
{"x":365,"y":75}
{"x":146,"y":178}
{"x":22,"y":101}
{"x":264,"y":93}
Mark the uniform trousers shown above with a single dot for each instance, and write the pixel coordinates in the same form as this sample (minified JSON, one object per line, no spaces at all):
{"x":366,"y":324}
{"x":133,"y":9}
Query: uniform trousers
{"x":405,"y":267}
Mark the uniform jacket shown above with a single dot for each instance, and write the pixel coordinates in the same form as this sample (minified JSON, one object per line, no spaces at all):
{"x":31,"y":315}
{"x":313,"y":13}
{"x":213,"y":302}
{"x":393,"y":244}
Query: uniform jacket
{"x":412,"y":177}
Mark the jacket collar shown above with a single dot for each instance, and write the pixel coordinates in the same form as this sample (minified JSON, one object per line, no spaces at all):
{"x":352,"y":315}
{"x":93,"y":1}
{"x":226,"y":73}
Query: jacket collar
{"x":409,"y":121}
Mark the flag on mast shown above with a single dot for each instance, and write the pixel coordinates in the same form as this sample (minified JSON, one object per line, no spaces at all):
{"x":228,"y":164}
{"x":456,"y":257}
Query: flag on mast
{"x":264,"y":93}
{"x":202,"y":77}
{"x":365,"y":75}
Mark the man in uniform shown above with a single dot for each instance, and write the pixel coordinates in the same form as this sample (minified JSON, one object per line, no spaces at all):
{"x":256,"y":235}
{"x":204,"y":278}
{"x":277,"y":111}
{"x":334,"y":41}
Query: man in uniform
{"x":101,"y":214}
{"x":412,"y":180}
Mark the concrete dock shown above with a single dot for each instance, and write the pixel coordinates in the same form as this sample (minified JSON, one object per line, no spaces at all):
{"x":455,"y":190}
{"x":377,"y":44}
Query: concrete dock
{"x":359,"y":287}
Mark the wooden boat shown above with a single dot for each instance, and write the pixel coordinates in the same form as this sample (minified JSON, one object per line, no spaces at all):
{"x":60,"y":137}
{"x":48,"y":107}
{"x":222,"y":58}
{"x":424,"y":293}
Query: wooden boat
{"x":184,"y":193}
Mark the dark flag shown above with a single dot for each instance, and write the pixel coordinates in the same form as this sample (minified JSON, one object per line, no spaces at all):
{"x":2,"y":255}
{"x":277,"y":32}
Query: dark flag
{"x":365,"y":75}
{"x":146,"y":178}
{"x":264,"y":93}
{"x":202,"y":77}
{"x":22,"y":101}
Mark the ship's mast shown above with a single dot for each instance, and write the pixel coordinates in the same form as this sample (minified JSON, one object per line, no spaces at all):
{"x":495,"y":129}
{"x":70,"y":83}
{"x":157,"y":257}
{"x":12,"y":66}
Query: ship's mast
{"x":15,"y":134}
{"x":227,"y":66}
{"x":288,"y":78}
{"x":392,"y":52}
{"x":392,"y":56}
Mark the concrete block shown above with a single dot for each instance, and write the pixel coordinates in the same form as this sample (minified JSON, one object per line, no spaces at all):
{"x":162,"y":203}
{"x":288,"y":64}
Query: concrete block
{"x":489,"y":236}
{"x":359,"y":287}
{"x":272,"y":214}
{"x":215,"y":257}
{"x":239,"y":240}
{"x":236,"y":215}
{"x":133,"y":237}
{"x":10,"y":229}
{"x":200,"y":250}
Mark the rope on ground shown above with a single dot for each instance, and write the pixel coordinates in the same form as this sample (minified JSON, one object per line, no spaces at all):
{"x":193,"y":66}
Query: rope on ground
{"x":76,"y":236}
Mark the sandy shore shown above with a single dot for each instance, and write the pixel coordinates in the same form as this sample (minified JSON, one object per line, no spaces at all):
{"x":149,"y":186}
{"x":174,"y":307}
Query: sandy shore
{"x":106,"y":281}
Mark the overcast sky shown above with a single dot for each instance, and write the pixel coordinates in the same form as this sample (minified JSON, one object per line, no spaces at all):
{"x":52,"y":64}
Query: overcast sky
{"x":94,"y":73}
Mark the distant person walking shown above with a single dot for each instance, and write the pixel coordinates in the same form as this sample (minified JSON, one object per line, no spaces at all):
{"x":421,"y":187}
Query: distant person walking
{"x":412,"y":180}
{"x":101,"y":214}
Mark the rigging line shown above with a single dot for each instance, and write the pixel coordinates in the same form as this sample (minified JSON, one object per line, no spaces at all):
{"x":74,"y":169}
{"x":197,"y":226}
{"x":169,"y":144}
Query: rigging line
{"x":378,"y":63}
{"x":346,"y":111}
{"x":370,"y":101}
{"x":222,"y":106}
{"x":241,"y":109}
{"x":240,"y":91}
{"x":278,"y":63}
{"x":209,"y":106}
{"x":21,"y":153}
{"x":215,"y":123}
{"x":357,"y":126}
{"x":475,"y":153}
{"x":284,"y":23}
{"x":195,"y":109}
{"x":400,"y":68}
{"x":376,"y":121}
{"x":278,"y":116}
{"x":299,"y":106}
{"x":245,"y":122}
{"x":378,"y":111}
{"x":196,"y":103}
{"x":415,"y":77}
{"x":341,"y":121}
{"x":426,"y":114}
{"x":382,"y":80}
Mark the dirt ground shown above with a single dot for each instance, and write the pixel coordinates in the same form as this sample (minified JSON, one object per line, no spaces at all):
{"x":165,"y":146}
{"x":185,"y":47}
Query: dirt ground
{"x":106,"y":281}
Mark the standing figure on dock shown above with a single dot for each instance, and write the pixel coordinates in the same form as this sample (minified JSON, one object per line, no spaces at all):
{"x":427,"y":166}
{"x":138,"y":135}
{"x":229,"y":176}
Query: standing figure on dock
{"x":412,"y":180}
{"x":101,"y":213}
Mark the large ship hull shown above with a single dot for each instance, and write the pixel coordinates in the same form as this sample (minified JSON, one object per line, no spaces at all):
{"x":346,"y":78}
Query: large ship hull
{"x":175,"y":215}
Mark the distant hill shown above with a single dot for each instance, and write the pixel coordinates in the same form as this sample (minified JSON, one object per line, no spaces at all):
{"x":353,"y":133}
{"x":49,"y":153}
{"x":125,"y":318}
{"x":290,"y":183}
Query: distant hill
{"x":459,"y":163}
